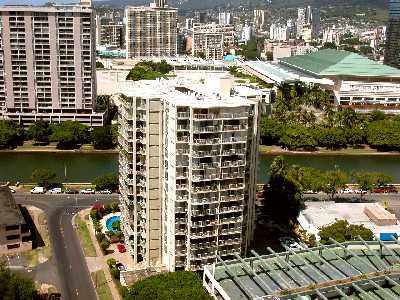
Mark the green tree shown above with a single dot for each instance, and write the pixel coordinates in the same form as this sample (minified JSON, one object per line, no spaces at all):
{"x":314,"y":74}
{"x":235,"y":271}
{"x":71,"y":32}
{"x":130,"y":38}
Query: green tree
{"x":354,"y":136}
{"x":103,"y":103}
{"x":69,"y":134}
{"x":377,"y":115}
{"x":99,"y":65}
{"x":250,"y":50}
{"x":329,"y":45}
{"x":16,"y":287}
{"x":149,"y":70}
{"x":11,"y":134}
{"x":106,"y":182}
{"x":44,"y":177}
{"x":283,"y":195}
{"x":342,"y":231}
{"x":269,"y":55}
{"x":298,"y":137}
{"x":368,"y":181}
{"x":102,"y":138}
{"x":39,"y":132}
{"x":333,"y":181}
{"x":178,"y":285}
{"x":331,"y":138}
{"x":272,"y":131}
{"x":384,"y":135}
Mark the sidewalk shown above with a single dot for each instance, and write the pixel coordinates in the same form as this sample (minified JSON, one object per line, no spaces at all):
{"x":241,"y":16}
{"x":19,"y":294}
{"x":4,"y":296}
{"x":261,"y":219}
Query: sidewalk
{"x":99,"y":262}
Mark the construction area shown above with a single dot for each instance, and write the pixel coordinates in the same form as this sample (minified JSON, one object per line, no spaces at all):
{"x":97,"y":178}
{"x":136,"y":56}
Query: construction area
{"x":352,"y":270}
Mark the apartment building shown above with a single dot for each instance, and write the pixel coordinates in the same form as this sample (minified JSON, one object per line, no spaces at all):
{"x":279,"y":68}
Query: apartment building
{"x":151,"y":31}
{"x":47,"y":67}
{"x":188,"y":164}
{"x":209,"y":40}
{"x":109,"y":33}
{"x":15,"y":234}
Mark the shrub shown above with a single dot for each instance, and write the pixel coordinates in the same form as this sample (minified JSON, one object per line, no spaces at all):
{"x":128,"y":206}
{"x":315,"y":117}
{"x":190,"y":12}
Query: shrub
{"x":104,"y":244}
{"x":111,"y":262}
{"x":115,"y":273}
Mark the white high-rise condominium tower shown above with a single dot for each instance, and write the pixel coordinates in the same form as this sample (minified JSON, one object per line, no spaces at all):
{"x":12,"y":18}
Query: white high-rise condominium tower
{"x":308,"y":19}
{"x":392,"y":51}
{"x":188,"y":173}
{"x":151,"y":31}
{"x":47,"y":63}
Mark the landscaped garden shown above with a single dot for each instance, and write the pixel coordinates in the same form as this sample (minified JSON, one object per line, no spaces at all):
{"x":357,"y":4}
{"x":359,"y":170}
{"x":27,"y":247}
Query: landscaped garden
{"x":107,"y":225}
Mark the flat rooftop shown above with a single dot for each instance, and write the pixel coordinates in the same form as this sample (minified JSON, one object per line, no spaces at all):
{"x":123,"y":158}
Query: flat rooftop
{"x":10,"y":214}
{"x":325,"y":213}
{"x":338,"y":271}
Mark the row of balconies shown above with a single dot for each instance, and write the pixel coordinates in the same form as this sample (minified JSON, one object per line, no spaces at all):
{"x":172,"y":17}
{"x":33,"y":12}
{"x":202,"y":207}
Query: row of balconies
{"x":182,"y":139}
{"x":205,"y":223}
{"x":200,"y":201}
{"x":213,"y":116}
{"x":202,"y":166}
{"x":229,"y":241}
{"x":204,"y":255}
{"x":230,"y":220}
{"x":234,"y":140}
{"x":213,"y":141}
{"x":211,"y":153}
{"x":233,"y":163}
{"x":234,"y":151}
{"x":205,"y":189}
{"x":232,"y":186}
{"x":203,"y":245}
{"x":229,"y":209}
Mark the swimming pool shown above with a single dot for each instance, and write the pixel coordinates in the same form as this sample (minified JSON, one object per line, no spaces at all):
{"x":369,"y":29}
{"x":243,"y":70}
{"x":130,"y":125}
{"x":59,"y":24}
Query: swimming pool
{"x":110,"y":221}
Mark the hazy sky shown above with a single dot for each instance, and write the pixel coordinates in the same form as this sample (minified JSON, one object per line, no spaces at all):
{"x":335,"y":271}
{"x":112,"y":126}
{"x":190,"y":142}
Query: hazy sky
{"x":35,"y":2}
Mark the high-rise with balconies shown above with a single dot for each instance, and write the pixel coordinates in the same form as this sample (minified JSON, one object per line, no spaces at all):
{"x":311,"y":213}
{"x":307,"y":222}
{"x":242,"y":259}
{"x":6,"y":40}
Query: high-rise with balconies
{"x":151,"y":31}
{"x":188,"y":192}
{"x":392,"y":51}
{"x":47,"y":63}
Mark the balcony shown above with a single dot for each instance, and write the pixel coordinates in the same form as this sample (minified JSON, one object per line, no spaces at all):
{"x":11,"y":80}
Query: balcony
{"x":201,"y":256}
{"x":204,"y":166}
{"x":181,"y":175}
{"x":230,"y":231}
{"x":230,"y":209}
{"x":181,"y":186}
{"x":232,"y":186}
{"x":228,"y":152}
{"x":231,"y":140}
{"x":206,"y":129}
{"x":213,"y":141}
{"x":200,"y":246}
{"x":235,"y":127}
{"x":180,"y":210}
{"x":220,"y":116}
{"x":205,"y":189}
{"x":205,"y":223}
{"x":230,"y":220}
{"x":183,"y":115}
{"x":182,"y":139}
{"x":211,"y":153}
{"x":182,"y":151}
{"x":228,"y":242}
{"x":200,"y":201}
{"x":203,"y":234}
{"x":180,"y":231}
{"x":205,"y":177}
{"x":234,"y":163}
{"x":203,"y":212}
{"x":182,"y":128}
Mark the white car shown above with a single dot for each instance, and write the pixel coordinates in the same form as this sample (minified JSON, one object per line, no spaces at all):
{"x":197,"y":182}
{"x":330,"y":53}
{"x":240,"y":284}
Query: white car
{"x":12,"y":190}
{"x":38,"y":190}
{"x":55,"y":191}
{"x":347,"y":191}
{"x":87,"y":191}
{"x":105,"y":192}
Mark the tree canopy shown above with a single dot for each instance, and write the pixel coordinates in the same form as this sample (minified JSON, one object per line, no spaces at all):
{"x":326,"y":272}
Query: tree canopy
{"x":44,"y":177}
{"x":16,"y":287}
{"x":342,"y":231}
{"x":11,"y":134}
{"x":149,"y":70}
{"x":102,"y":138}
{"x":178,"y":285}
{"x":106,"y":182}
{"x":69,"y":134}
{"x":39,"y":132}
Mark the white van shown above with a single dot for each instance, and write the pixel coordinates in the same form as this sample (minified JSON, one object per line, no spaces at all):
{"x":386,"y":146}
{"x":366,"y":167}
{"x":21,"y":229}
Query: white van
{"x":38,"y":190}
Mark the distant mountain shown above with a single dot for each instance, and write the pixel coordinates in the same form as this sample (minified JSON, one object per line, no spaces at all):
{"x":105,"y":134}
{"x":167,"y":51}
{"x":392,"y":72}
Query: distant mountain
{"x":207,"y":4}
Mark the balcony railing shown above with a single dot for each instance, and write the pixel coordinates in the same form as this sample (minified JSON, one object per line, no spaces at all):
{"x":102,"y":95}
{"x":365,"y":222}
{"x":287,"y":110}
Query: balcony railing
{"x":211,"y":153}
{"x":230,"y":220}
{"x":232,"y":186}
{"x":202,"y":189}
{"x":199,"y":129}
{"x":220,"y":116}
{"x":234,"y":163}
{"x":200,"y":201}
{"x":229,"y":242}
{"x":203,"y":212}
{"x":181,"y":186}
{"x":202,"y":234}
{"x":234,"y":140}
{"x":182,"y":139}
{"x":230,"y":209}
{"x":207,"y":141}
{"x":205,"y":177}
{"x":202,"y":166}
{"x":183,"y":115}
{"x":234,"y":152}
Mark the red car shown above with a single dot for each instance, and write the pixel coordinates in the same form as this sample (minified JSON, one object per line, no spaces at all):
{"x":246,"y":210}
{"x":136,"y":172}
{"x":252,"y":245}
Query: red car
{"x":121,"y":248}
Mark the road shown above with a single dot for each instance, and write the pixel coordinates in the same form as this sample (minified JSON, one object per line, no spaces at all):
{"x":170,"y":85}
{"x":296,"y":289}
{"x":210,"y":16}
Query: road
{"x":74,"y":276}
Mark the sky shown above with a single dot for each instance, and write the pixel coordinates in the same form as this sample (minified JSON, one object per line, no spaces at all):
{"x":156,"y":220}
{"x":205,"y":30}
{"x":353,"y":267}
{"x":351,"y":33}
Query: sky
{"x":35,"y":2}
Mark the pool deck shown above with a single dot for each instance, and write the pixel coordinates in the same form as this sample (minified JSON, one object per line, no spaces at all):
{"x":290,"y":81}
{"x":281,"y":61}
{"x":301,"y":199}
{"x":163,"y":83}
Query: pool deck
{"x":105,"y":218}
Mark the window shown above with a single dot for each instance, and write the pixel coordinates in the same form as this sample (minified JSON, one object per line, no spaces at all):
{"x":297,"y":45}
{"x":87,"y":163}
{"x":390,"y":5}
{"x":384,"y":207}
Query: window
{"x":12,"y":227}
{"x":13,"y":246}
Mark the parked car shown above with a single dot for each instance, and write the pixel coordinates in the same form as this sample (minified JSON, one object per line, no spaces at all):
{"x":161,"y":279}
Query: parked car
{"x":38,"y":190}
{"x":121,"y":248}
{"x":70,"y":191}
{"x":390,"y":190}
{"x":87,"y":191}
{"x":105,"y":192}
{"x":55,"y":191}
{"x":378,"y":190}
{"x":12,"y":190}
{"x":347,"y":191}
{"x":120,"y":266}
{"x":291,"y":243}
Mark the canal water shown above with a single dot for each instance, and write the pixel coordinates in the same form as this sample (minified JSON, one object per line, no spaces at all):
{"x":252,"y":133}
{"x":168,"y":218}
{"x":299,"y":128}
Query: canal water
{"x":83,"y":167}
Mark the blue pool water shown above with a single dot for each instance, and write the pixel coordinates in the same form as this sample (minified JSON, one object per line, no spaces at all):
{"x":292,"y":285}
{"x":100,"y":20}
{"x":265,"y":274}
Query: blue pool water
{"x":110,"y":221}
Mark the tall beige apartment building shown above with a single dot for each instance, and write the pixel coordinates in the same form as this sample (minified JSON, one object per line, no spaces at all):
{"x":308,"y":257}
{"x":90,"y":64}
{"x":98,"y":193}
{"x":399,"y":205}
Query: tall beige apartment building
{"x":47,"y":63}
{"x":188,"y":164}
{"x":151,"y":31}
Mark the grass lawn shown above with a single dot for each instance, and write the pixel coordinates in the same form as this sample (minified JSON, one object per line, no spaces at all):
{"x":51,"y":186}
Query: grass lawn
{"x":84,"y":237}
{"x":101,"y":285}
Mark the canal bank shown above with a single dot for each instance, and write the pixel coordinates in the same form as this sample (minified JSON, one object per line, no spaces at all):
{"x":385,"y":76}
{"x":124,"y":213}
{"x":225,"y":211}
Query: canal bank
{"x":84,"y":166}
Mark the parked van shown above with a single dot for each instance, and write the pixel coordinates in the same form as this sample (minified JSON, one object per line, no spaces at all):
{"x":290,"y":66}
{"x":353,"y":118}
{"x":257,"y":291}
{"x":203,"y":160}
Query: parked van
{"x":38,"y":190}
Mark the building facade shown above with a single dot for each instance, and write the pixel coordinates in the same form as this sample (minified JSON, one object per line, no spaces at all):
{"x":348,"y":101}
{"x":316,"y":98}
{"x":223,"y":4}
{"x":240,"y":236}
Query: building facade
{"x":392,"y":51}
{"x":209,"y":40}
{"x":15,"y":234}
{"x":109,"y":33}
{"x":47,"y":62}
{"x":308,"y":23}
{"x":188,"y":192}
{"x":151,"y":31}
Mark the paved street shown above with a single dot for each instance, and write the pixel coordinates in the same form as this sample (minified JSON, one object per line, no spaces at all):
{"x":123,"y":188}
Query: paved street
{"x":74,"y":277}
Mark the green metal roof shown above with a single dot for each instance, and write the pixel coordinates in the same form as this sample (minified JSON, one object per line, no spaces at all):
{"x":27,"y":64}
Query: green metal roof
{"x":338,"y":62}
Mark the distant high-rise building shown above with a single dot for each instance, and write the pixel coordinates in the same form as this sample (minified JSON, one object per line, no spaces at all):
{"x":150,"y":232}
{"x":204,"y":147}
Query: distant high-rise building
{"x":224,"y":18}
{"x":278,"y":33}
{"x":260,"y":18}
{"x":392,"y":51}
{"x":47,"y":63}
{"x":109,"y":32}
{"x":151,"y":30}
{"x":308,"y":19}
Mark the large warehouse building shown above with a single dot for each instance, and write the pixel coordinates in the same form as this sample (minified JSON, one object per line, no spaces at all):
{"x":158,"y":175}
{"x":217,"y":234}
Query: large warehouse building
{"x":355,"y":80}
